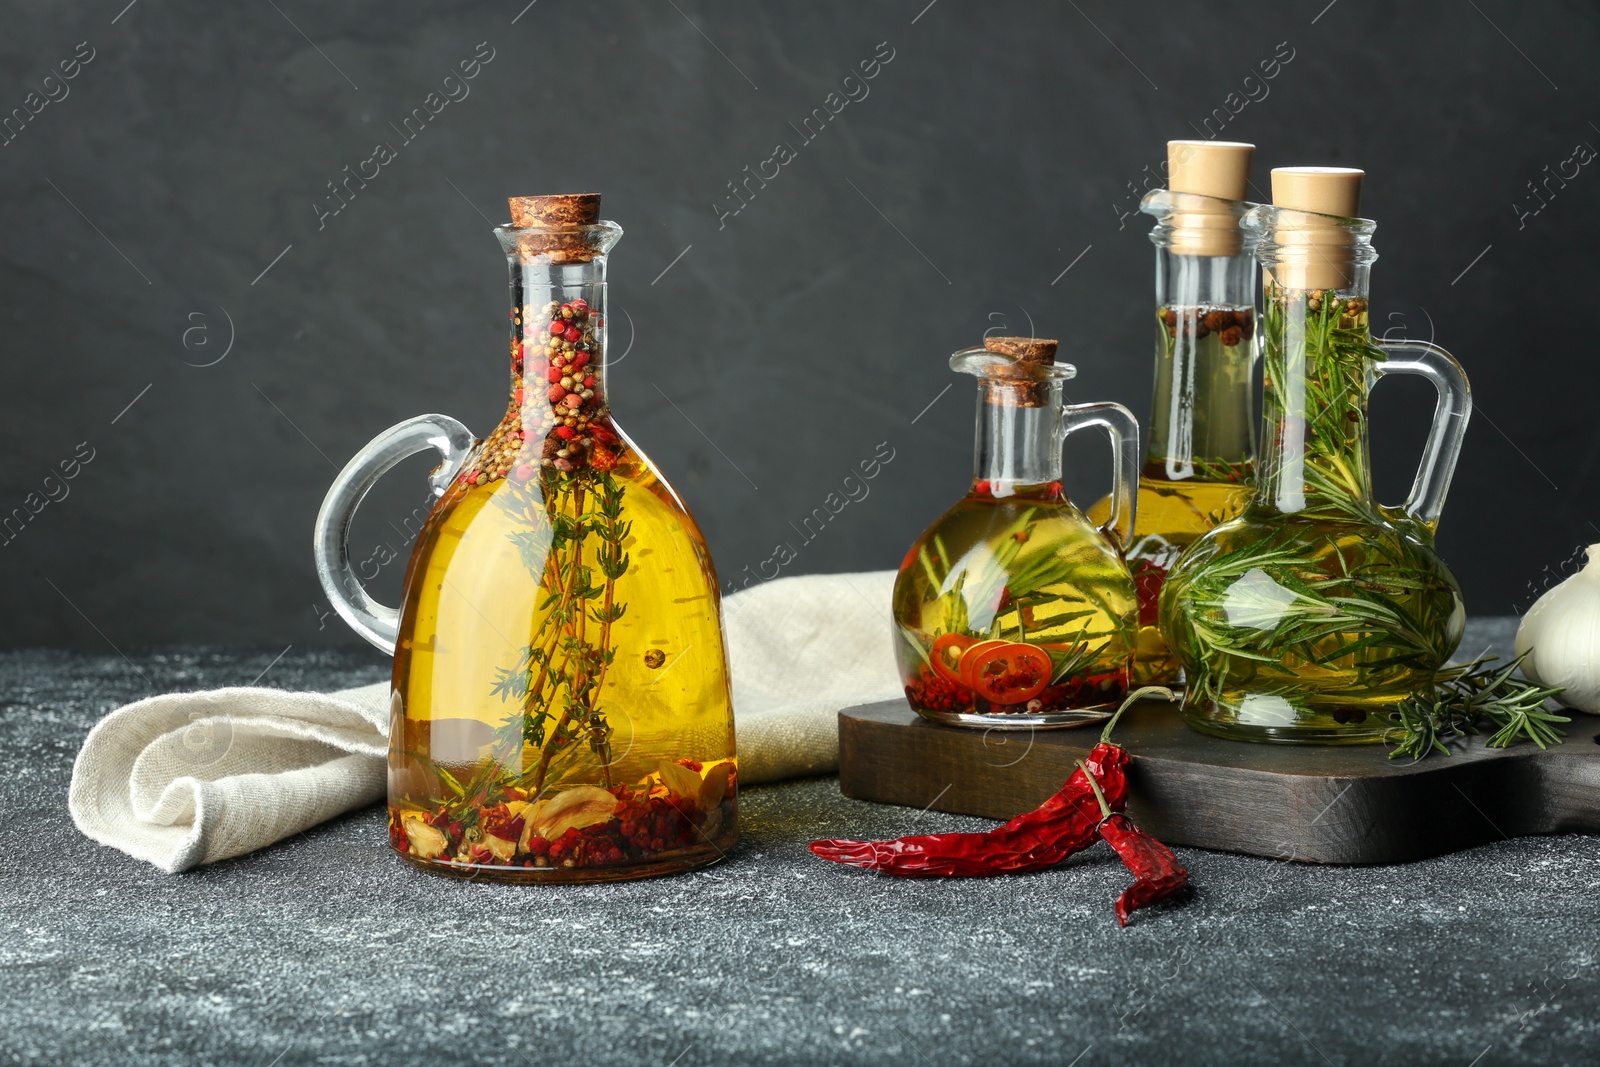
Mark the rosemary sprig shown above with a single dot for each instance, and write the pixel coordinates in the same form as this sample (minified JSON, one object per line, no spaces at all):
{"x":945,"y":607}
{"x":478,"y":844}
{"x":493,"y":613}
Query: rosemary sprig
{"x":1475,"y":698}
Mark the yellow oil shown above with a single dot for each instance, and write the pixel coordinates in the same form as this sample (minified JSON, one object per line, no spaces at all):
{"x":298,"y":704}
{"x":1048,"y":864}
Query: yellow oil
{"x":1024,"y":567}
{"x":1198,"y":467}
{"x":486,"y":584}
{"x":1171,"y":515}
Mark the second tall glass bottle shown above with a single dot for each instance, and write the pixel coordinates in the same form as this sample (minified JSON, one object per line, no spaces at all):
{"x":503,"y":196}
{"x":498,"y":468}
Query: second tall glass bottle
{"x":1200,"y":457}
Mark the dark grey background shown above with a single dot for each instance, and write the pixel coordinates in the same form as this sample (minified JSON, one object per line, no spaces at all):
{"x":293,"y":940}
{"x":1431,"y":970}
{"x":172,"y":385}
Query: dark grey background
{"x":1000,"y":145}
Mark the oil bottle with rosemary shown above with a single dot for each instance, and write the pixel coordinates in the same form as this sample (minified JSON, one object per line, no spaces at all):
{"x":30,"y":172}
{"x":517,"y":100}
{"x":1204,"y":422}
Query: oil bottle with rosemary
{"x":1013,"y":609}
{"x":1200,"y":457}
{"x":561,"y":707}
{"x":1316,"y":612}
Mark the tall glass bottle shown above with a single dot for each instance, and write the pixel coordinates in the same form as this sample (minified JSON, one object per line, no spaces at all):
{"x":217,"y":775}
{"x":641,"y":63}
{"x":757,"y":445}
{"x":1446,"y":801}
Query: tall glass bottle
{"x":1316,"y":610}
{"x":1200,"y":456}
{"x":561,"y":707}
{"x":1013,"y":609}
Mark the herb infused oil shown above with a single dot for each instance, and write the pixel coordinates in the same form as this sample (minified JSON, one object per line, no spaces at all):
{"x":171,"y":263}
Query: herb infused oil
{"x":1200,"y":457}
{"x":1316,"y":612}
{"x":561,"y":707}
{"x":1013,"y":609}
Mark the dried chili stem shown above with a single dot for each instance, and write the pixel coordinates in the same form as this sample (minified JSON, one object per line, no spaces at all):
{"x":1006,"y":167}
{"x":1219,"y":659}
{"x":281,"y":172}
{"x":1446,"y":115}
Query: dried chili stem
{"x":1131,"y":699}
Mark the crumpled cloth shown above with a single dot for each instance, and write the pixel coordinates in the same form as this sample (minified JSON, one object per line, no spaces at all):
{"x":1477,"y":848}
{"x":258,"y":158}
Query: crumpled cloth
{"x":185,"y":779}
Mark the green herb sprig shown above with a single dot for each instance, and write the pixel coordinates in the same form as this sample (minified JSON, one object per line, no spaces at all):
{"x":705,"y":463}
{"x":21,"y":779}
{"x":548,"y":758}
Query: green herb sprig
{"x":1475,"y":698}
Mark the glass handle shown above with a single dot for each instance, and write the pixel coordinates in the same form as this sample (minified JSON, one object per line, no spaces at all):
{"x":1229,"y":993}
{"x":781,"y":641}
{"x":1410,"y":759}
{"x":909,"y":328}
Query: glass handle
{"x":1124,"y":431}
{"x":377,"y":622}
{"x":1450,"y":416}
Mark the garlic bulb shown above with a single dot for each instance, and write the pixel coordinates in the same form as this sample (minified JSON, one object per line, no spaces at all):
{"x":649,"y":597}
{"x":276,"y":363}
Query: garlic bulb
{"x":1561,"y":634}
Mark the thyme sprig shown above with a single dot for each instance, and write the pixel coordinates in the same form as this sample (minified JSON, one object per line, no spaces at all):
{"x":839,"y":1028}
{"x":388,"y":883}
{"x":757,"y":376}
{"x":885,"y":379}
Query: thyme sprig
{"x":1475,"y":698}
{"x":559,"y":675}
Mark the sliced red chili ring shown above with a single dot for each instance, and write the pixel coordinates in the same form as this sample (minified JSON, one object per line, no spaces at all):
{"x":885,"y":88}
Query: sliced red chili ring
{"x":969,"y":658}
{"x":1011,"y":673}
{"x":946,"y":655}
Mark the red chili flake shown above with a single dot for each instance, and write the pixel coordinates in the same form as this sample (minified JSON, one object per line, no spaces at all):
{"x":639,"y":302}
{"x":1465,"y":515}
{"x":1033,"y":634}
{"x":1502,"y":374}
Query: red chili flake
{"x":602,"y":459}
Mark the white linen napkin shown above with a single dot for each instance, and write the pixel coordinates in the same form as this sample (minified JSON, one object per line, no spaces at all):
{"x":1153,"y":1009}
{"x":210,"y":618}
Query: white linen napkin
{"x":189,"y":778}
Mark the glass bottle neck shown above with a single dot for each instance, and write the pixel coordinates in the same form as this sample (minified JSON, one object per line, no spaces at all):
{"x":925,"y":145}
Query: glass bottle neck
{"x":1017,"y":449}
{"x":1202,"y":419}
{"x":558,"y":314}
{"x":1317,"y":372}
{"x":558,"y":362}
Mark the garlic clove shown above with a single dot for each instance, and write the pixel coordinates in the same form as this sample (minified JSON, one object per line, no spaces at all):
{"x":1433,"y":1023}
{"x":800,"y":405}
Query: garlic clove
{"x":1560,"y":635}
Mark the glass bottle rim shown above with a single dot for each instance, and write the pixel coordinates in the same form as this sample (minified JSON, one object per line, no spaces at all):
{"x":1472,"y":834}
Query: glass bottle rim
{"x":982,"y":363}
{"x":1263,"y":219}
{"x":529,"y":242}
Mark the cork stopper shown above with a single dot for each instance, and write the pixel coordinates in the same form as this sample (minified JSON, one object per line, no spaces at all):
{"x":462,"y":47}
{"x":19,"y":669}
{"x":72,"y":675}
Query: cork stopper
{"x":1018,"y":381}
{"x":1323,"y":190}
{"x":554,"y":226}
{"x":1210,"y":168}
{"x":1210,"y":179}
{"x":561,"y":209}
{"x":1315,"y":249}
{"x":1028,"y":350}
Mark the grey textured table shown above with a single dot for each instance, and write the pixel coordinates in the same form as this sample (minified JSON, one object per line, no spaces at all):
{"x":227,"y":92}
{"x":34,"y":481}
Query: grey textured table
{"x":326,"y":949}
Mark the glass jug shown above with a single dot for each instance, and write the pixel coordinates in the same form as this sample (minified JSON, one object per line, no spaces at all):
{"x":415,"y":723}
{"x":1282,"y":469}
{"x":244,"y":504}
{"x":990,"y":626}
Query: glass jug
{"x":1316,"y":610}
{"x":1012,"y":609}
{"x":560,"y":709}
{"x":1200,"y":458}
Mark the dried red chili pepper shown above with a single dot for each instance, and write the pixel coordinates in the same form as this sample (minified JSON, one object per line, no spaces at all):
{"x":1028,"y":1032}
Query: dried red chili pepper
{"x":1066,"y":823}
{"x":1157,"y":873}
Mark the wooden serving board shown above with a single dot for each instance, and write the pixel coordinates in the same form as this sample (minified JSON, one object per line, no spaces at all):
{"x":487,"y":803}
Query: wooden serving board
{"x":1342,"y":804}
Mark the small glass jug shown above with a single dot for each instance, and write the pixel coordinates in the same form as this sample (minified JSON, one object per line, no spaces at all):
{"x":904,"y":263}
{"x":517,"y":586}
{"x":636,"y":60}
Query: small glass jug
{"x":1013,"y":610}
{"x":1317,"y":610}
{"x":560,"y":710}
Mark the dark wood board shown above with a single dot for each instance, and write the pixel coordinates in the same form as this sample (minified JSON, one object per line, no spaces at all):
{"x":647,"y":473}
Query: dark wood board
{"x":1338,"y":804}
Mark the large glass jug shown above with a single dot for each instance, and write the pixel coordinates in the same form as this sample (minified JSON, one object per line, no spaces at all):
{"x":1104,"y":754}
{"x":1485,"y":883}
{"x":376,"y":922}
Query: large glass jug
{"x":1013,"y":609}
{"x":560,"y":710}
{"x":1200,"y":456}
{"x":1316,"y":610}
